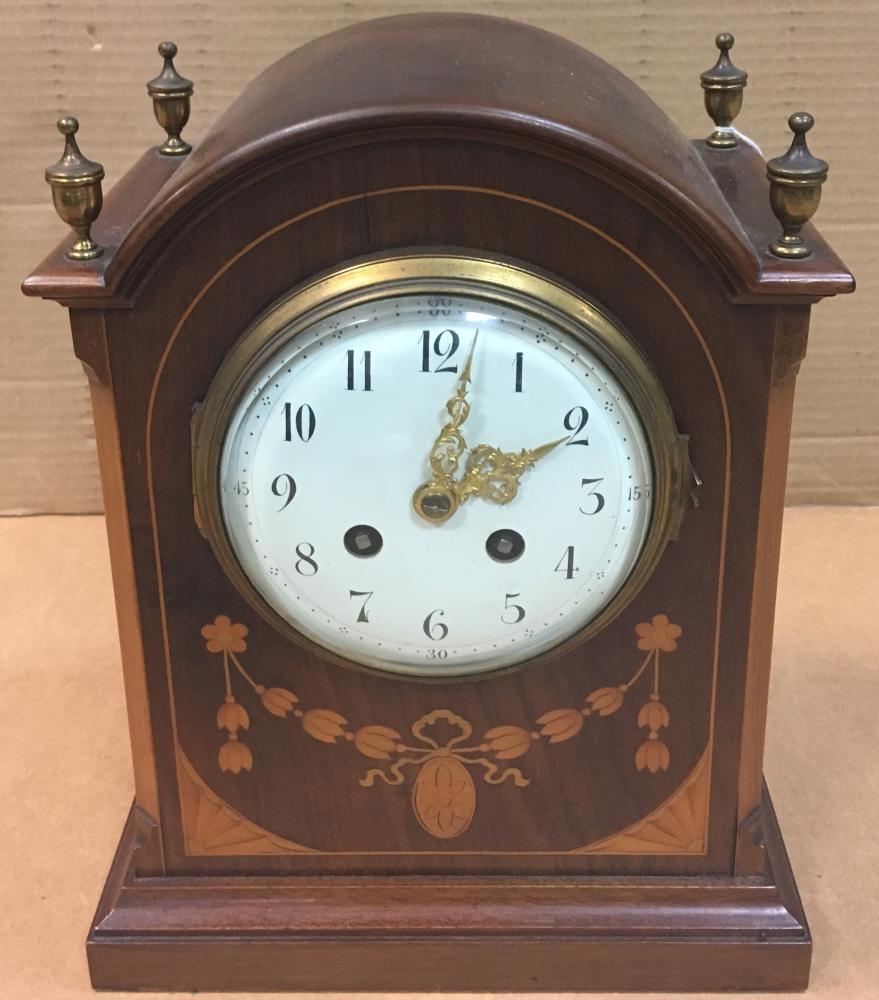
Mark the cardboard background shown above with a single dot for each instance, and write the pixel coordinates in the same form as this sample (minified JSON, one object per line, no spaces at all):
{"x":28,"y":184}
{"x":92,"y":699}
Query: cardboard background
{"x":92,"y":59}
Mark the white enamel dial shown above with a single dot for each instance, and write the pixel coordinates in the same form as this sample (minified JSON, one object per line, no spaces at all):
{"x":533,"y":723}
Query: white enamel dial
{"x":329,"y":440}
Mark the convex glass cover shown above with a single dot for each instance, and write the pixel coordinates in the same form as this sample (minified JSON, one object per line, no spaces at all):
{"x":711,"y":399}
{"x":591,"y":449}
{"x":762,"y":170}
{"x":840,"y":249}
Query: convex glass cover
{"x":436,"y":465}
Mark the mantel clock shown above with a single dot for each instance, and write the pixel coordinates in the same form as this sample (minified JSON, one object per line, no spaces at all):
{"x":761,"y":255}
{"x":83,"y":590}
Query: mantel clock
{"x":443,"y":398}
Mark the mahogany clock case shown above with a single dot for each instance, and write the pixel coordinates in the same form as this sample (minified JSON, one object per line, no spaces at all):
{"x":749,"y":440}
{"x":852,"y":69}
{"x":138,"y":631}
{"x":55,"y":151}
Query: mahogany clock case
{"x":586,"y":866}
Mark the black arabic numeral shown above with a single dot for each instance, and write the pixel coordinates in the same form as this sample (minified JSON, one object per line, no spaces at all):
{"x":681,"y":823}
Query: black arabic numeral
{"x":517,"y":610}
{"x":437,"y":631}
{"x":440,"y":350}
{"x":305,"y":422}
{"x":575,"y":420}
{"x":362,"y":614}
{"x":305,"y":559}
{"x":284,"y":486}
{"x":367,"y":370}
{"x":596,"y":496}
{"x":566,"y":564}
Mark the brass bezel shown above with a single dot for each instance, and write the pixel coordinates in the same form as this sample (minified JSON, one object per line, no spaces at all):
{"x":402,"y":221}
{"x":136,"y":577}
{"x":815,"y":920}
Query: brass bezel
{"x":497,"y":279}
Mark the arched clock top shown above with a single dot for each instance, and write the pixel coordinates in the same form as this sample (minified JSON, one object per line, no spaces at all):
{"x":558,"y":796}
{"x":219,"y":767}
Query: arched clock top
{"x":498,"y":80}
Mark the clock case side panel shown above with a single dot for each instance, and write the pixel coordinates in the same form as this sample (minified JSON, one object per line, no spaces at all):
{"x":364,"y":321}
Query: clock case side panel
{"x":413,"y":161}
{"x":789,"y":339}
{"x":89,"y":329}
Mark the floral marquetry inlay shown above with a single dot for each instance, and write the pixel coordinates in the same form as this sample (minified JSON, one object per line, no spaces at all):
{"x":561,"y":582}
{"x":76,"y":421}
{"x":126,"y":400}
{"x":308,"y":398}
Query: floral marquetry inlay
{"x":441,"y":758}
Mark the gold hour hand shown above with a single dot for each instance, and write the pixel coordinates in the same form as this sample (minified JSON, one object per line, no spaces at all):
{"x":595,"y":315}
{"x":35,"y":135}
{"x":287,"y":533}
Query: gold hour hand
{"x":450,"y":444}
{"x":494,"y":474}
{"x":437,"y":499}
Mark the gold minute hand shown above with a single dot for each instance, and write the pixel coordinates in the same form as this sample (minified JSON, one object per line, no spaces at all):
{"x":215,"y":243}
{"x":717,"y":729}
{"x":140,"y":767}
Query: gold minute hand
{"x":544,"y":449}
{"x":494,"y":474}
{"x":437,"y":500}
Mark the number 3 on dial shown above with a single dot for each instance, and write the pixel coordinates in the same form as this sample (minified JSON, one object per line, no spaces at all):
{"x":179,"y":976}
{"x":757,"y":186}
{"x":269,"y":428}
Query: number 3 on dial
{"x":597,"y":498}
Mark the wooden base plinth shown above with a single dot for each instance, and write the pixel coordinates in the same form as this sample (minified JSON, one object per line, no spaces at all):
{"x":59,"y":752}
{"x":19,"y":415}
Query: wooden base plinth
{"x":378,"y":934}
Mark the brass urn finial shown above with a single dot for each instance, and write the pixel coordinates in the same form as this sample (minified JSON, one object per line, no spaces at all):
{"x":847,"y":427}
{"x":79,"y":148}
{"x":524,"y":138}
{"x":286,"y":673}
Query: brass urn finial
{"x":171,"y":93}
{"x":795,"y":188}
{"x":76,"y":192}
{"x":723,"y":85}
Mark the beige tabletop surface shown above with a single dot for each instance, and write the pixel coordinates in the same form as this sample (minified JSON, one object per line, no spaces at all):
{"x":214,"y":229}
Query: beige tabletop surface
{"x":65,"y":770}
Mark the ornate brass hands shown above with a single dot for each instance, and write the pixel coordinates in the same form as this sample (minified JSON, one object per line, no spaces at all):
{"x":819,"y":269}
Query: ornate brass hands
{"x":450,"y":445}
{"x":494,"y":475}
{"x":437,"y":500}
{"x":489,"y":473}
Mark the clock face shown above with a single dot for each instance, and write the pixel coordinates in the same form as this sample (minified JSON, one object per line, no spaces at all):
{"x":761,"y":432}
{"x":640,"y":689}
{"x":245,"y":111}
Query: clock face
{"x":440,"y":480}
